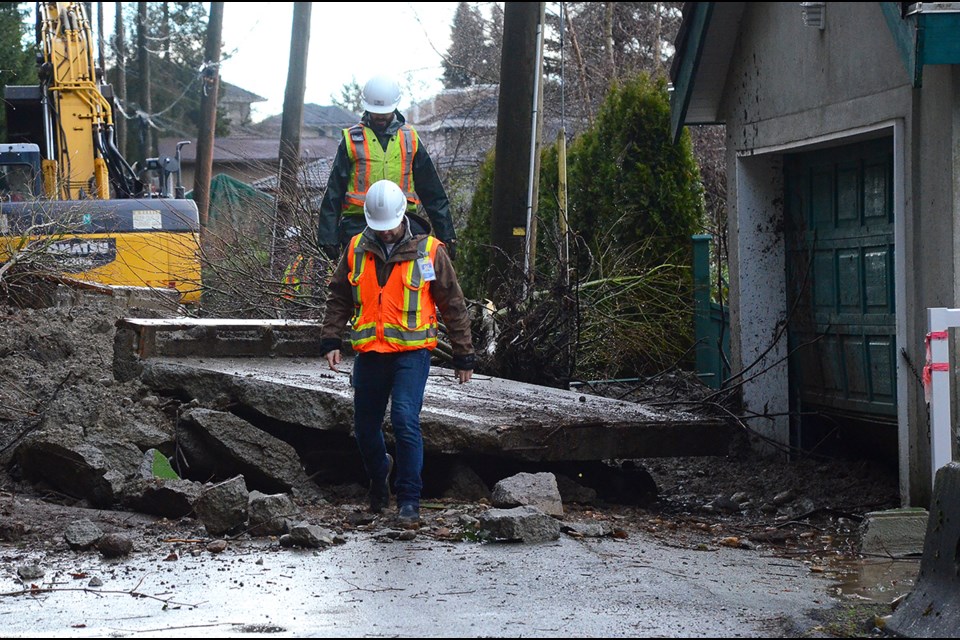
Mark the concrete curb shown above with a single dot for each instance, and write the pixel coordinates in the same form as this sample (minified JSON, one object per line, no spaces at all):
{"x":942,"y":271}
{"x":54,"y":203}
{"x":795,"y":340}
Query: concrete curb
{"x":932,"y":609}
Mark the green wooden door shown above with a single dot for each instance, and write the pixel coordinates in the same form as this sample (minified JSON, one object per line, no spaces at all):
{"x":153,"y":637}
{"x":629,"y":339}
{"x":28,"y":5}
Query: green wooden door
{"x":840,"y":280}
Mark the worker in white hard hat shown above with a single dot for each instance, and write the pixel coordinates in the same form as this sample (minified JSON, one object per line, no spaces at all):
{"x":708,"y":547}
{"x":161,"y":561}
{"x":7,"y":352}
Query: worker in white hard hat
{"x":381,"y":146}
{"x":389,"y":284}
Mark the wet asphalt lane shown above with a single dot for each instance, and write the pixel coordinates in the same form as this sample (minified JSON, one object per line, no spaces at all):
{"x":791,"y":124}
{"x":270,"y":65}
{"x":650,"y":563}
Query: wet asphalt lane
{"x":376,"y":587}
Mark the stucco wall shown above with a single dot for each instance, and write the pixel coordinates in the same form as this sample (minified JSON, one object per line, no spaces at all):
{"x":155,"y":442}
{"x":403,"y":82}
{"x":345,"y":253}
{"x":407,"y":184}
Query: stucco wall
{"x":793,"y":88}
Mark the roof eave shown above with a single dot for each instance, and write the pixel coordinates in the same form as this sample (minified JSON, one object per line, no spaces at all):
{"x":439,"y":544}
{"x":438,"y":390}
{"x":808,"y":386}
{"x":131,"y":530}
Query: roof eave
{"x":704,"y":48}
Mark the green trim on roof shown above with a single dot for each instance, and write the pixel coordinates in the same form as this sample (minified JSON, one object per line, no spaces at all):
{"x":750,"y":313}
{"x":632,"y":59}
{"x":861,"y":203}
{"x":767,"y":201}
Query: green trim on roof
{"x":924,"y":38}
{"x":692,"y":49}
{"x":904,"y":33}
{"x":940,"y":35}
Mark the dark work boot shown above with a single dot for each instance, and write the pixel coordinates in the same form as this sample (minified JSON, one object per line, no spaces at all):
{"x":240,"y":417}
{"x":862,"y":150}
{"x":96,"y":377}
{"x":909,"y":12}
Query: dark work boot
{"x":409,"y":515}
{"x":380,"y":491}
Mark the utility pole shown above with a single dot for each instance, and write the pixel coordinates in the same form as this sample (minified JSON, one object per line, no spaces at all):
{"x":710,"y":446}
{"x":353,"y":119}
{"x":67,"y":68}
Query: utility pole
{"x":517,"y":158}
{"x":291,"y":125}
{"x":208,"y":112}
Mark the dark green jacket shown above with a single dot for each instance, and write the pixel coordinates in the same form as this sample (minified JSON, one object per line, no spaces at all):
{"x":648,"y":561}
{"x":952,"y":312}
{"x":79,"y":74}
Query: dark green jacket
{"x":336,"y":230}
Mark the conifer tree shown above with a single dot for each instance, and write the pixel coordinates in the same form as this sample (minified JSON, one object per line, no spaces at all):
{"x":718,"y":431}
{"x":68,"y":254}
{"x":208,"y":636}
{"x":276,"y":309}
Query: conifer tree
{"x":18,"y":63}
{"x":469,"y":58}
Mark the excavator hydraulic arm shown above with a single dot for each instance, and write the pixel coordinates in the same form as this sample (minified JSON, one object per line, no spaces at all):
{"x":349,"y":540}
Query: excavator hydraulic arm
{"x":78,"y":118}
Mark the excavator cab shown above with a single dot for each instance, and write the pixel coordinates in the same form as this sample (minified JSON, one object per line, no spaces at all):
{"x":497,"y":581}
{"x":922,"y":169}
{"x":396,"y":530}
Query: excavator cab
{"x":20,"y":176}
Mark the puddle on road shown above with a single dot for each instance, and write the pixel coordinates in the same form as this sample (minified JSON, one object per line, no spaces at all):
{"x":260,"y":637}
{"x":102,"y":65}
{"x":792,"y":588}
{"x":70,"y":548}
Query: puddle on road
{"x":876,"y":579}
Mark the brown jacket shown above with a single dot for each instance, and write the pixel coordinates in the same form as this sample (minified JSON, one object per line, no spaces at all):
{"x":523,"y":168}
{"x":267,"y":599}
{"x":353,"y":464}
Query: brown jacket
{"x":445,"y":290}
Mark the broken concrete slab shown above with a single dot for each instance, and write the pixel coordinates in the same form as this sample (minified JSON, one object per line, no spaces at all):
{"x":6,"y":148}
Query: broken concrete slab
{"x":537,"y":490}
{"x":223,"y":507}
{"x":271,"y":514}
{"x":137,"y":339}
{"x":228,"y":443}
{"x":268,"y":367}
{"x":487,"y":416}
{"x":165,"y":497}
{"x":310,"y":536}
{"x":66,"y":463}
{"x":82,"y":534}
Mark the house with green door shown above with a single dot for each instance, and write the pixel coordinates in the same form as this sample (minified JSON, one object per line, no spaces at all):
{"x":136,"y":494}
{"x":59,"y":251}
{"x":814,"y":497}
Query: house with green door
{"x":843,"y":165}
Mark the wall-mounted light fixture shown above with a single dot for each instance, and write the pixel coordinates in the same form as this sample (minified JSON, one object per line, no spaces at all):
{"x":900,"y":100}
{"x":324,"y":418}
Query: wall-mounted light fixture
{"x":813,"y":14}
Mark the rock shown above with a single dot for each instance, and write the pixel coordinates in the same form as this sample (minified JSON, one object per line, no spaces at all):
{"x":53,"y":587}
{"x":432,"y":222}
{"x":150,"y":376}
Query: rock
{"x":223,"y":507}
{"x":115,"y":545}
{"x":534,"y":489}
{"x":82,"y":535}
{"x":524,"y":523}
{"x":269,"y":514}
{"x":30,"y":572}
{"x":217,"y":546}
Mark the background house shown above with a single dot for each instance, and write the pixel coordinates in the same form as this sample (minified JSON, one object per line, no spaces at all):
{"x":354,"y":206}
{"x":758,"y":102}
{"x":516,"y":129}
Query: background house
{"x":313,"y":180}
{"x":252,"y":150}
{"x":245,"y":157}
{"x":318,"y":121}
{"x":458,"y":125}
{"x":236,"y":102}
{"x":843,"y":210}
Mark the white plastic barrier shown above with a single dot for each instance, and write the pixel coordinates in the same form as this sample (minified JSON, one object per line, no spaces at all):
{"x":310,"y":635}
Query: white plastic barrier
{"x":936,"y":384}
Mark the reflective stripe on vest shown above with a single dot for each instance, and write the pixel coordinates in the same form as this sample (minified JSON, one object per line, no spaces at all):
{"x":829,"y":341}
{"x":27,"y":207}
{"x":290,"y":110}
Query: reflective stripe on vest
{"x":291,"y":278}
{"x":402,"y":315}
{"x":372,"y":163}
{"x":291,"y":275}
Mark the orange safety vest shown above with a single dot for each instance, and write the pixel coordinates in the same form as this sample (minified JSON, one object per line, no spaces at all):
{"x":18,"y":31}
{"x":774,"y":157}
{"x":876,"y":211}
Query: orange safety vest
{"x":401,"y":316}
{"x":292,"y":279}
{"x":372,"y":163}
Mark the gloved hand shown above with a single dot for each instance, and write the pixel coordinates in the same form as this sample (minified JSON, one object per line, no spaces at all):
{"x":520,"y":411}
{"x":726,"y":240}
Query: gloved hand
{"x":332,"y":251}
{"x":451,"y":248}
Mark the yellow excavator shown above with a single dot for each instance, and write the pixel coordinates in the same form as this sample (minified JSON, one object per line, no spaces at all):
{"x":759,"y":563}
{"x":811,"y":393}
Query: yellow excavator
{"x":66,"y":192}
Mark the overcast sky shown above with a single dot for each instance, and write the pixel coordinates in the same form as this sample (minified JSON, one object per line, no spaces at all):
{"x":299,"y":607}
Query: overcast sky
{"x":348,"y":40}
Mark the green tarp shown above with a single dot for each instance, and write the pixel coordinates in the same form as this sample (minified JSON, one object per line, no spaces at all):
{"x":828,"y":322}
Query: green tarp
{"x":236,"y":204}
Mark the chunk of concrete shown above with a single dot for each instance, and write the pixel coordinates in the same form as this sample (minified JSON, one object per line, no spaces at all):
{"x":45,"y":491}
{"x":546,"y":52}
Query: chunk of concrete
{"x":534,"y":489}
{"x":526,"y":524}
{"x":896,"y":533}
{"x":222,"y":508}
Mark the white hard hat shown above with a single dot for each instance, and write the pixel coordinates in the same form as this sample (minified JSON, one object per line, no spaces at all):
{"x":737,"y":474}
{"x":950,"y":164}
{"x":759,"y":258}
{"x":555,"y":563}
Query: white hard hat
{"x":384,"y":206}
{"x":381,"y":94}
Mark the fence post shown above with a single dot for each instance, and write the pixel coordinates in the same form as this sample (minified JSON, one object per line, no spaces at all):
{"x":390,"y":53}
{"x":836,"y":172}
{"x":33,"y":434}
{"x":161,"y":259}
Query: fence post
{"x":937,"y":374}
{"x":707,"y":357}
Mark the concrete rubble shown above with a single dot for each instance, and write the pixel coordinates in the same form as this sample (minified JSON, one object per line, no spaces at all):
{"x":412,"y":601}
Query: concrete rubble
{"x":252,"y":403}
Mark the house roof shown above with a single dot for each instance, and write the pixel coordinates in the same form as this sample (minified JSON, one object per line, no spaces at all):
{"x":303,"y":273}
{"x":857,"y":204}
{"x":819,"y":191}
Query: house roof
{"x":231,"y":93}
{"x":924,"y":33}
{"x":250,"y":149}
{"x":462,"y":107}
{"x":315,"y":116}
{"x":704,"y":46}
{"x":315,"y":175}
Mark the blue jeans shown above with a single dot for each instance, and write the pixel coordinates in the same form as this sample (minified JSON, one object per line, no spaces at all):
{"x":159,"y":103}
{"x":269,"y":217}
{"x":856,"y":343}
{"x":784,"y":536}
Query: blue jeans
{"x":400,"y":378}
